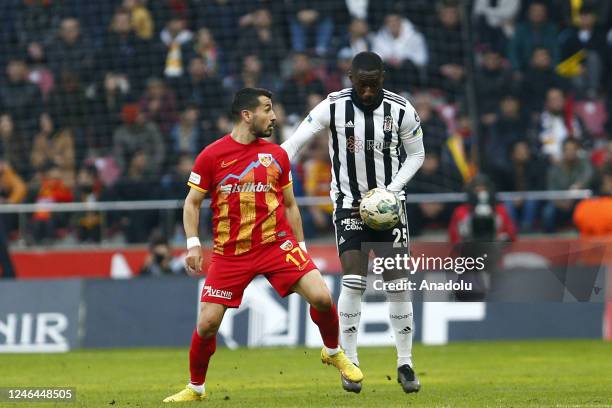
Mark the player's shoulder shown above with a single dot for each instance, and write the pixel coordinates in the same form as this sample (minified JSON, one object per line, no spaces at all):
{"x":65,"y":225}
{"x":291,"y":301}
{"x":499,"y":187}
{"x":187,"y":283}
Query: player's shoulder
{"x":339,"y":95}
{"x":272,"y":147}
{"x":215,"y":147}
{"x":396,"y":99}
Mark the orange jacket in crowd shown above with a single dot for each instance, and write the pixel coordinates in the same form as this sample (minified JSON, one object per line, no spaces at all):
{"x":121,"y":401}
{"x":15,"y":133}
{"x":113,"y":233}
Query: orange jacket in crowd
{"x":12,"y":187}
{"x":593,"y":217}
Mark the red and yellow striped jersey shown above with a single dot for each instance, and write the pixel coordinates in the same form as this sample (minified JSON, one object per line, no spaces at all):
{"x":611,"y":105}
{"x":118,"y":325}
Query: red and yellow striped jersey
{"x":246,"y":184}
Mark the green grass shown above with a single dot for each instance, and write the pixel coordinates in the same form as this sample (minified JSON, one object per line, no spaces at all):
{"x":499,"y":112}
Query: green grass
{"x":491,"y":374}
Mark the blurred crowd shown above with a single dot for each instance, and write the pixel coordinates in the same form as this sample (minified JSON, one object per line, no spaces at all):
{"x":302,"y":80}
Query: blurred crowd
{"x":112,"y":100}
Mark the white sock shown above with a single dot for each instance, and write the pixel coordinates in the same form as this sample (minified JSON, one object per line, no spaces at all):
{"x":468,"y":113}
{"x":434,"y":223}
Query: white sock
{"x":332,"y":351}
{"x":402,"y":323}
{"x":349,"y":312}
{"x":197,"y":388}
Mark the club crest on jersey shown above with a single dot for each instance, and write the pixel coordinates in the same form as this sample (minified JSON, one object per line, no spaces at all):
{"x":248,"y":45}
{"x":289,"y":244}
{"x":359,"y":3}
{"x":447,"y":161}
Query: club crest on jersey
{"x":388,"y":123}
{"x":265,"y":159}
{"x":287,"y":245}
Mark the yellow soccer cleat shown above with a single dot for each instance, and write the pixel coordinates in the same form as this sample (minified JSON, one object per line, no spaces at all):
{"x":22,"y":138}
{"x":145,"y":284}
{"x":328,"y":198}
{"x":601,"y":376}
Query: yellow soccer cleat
{"x":186,"y":395}
{"x":346,"y":367}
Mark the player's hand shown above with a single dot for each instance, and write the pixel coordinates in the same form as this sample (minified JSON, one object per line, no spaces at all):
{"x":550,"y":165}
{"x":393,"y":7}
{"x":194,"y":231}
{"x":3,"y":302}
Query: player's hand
{"x":400,"y":195}
{"x":193,"y":261}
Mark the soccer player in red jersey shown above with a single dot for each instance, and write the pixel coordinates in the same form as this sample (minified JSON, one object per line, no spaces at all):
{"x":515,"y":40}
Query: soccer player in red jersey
{"x":257,"y":231}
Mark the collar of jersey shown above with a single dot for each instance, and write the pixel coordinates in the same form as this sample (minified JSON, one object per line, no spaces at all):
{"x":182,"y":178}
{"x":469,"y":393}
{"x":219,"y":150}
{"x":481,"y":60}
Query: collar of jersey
{"x":364,"y":108}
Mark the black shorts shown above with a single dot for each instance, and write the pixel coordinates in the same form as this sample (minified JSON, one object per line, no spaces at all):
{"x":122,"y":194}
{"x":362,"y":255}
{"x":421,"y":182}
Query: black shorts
{"x":353,"y":234}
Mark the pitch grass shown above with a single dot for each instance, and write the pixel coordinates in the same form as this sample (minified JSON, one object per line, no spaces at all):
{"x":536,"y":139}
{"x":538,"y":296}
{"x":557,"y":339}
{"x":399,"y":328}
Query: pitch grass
{"x":475,"y":374}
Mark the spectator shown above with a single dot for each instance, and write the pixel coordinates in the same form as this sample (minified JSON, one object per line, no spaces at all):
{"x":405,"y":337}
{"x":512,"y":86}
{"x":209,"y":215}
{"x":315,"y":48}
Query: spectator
{"x":70,"y":51}
{"x":567,"y":12}
{"x":536,"y":32}
{"x":158,"y":104}
{"x":138,"y":184}
{"x":159,"y":261}
{"x":67,"y":104}
{"x":526,"y":173}
{"x":251,"y":75}
{"x":539,"y":78}
{"x":338,"y":77}
{"x":126,"y":55}
{"x":141,"y":19}
{"x":138,"y":134}
{"x":14,"y":146}
{"x":462,"y":227}
{"x":174,"y":36}
{"x":582,"y":53}
{"x":593,"y":216}
{"x":431,"y":178}
{"x":207,"y":49}
{"x":202,"y":90}
{"x":224,"y":14}
{"x":403,"y":50}
{"x":493,"y":81}
{"x":88,"y":189}
{"x":186,"y":136}
{"x":316,"y":180}
{"x":572,"y":173}
{"x":36,"y":20}
{"x":457,"y":153}
{"x":495,"y":21}
{"x":432,"y":124}
{"x":7,"y":270}
{"x":105,"y":106}
{"x":12,"y":187}
{"x":44,"y":223}
{"x":54,"y":151}
{"x":19,"y":98}
{"x":262,"y":40}
{"x":358,"y":38}
{"x":555,"y":126}
{"x":308,"y":20}
{"x":447,"y":50}
{"x":174,"y":185}
{"x":303,"y":82}
{"x":500,"y":133}
{"x":38,"y":72}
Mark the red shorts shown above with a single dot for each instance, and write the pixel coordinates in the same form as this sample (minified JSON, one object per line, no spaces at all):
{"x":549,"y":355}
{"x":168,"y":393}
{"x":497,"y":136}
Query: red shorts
{"x":283,"y":263}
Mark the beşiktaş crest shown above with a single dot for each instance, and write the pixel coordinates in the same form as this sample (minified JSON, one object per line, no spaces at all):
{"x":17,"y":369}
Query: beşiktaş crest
{"x":388,"y":123}
{"x":265,"y":158}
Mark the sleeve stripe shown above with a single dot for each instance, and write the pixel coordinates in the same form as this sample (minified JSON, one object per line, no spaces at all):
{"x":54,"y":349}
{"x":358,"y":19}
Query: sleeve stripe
{"x":200,"y":189}
{"x":287,"y":185}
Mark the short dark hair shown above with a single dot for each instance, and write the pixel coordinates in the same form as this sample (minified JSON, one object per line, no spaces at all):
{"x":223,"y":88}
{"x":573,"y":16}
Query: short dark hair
{"x":247,"y":98}
{"x":367,"y":61}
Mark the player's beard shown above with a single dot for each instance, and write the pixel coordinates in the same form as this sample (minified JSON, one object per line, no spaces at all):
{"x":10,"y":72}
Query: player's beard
{"x":263,"y":132}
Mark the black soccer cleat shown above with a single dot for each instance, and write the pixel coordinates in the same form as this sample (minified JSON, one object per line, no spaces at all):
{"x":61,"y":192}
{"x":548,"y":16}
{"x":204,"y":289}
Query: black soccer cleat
{"x":407,"y":378}
{"x":350,"y":386}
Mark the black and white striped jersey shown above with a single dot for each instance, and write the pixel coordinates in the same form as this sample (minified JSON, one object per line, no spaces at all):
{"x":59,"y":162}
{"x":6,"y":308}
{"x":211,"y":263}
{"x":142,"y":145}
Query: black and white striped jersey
{"x":365,"y":145}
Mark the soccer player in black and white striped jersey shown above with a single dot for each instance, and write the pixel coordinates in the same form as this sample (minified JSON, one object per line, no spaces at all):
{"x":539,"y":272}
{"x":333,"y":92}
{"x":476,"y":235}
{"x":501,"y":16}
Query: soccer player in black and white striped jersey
{"x":375,"y":140}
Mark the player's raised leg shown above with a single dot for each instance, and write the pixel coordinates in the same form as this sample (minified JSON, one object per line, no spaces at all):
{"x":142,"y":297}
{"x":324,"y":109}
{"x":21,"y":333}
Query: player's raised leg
{"x":203,"y":346}
{"x":323,"y":312}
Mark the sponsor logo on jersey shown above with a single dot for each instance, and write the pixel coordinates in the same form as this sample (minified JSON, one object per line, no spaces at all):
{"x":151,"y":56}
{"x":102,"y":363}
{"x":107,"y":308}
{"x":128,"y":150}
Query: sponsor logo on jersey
{"x":218,"y":293}
{"x":225,"y":164}
{"x":352,"y":224}
{"x":388,"y":123}
{"x":250,"y":187}
{"x":349,"y":124}
{"x":265,"y":159}
{"x":354,"y":145}
{"x":195,"y":178}
{"x":287,"y":245}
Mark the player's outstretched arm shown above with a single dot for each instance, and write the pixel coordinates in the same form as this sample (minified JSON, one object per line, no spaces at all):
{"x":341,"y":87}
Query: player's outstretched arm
{"x":317,"y":120}
{"x":191,"y":222}
{"x":293,"y":215}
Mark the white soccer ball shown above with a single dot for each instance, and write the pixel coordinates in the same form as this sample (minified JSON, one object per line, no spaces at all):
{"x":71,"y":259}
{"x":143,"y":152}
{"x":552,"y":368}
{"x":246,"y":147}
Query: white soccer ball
{"x":380,"y":209}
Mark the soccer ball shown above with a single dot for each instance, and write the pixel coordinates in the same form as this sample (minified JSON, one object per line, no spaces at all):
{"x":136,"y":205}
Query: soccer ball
{"x":380,"y":209}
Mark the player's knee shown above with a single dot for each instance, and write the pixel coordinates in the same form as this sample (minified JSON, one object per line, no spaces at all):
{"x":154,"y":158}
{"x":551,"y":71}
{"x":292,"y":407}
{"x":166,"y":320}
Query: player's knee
{"x":208,"y":327}
{"x":322,"y":301}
